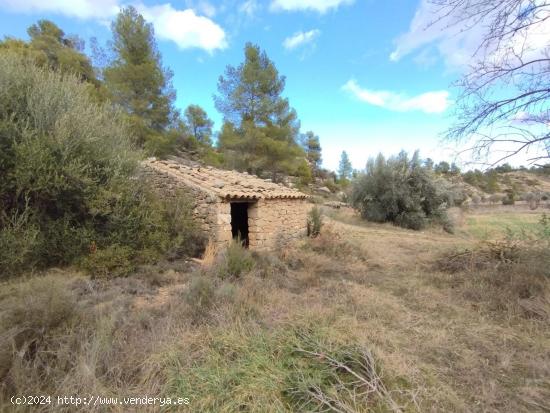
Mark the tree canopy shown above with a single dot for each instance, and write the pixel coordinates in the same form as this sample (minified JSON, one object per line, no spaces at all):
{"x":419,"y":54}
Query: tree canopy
{"x":50,"y":47}
{"x":199,"y":124}
{"x":260,"y":129}
{"x":137,"y":81}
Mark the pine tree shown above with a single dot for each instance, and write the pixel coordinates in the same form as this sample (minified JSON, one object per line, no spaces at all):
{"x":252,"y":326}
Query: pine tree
{"x":137,"y":81}
{"x":312,"y":147}
{"x":260,"y":129}
{"x":344,"y":169}
{"x":199,"y":124}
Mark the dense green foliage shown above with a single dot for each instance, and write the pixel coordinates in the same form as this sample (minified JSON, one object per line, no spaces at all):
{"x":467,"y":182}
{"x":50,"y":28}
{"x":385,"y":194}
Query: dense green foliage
{"x":400,"y":190}
{"x":486,"y":181}
{"x":138,"y":83}
{"x":49,"y":47}
{"x":67,"y":167}
{"x":260,"y":129}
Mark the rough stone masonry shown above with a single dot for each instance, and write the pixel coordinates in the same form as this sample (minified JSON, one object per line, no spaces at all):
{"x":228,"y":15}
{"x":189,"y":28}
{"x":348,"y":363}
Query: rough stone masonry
{"x":276,"y":214}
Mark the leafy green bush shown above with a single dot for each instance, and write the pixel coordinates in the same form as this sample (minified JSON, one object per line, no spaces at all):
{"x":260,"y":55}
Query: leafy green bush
{"x":19,"y":240}
{"x":113,"y":261}
{"x":68,"y":172}
{"x":401,"y":191}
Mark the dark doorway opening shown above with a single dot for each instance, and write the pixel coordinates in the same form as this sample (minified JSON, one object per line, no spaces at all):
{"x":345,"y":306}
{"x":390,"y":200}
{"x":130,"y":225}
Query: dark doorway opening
{"x":239,"y":221}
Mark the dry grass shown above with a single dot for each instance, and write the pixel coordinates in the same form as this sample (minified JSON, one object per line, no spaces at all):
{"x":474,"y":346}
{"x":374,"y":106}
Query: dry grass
{"x":291,"y":330}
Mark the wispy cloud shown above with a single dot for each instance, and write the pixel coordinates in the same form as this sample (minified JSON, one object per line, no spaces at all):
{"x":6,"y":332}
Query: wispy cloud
{"x":300,"y":38}
{"x":429,"y":102}
{"x":320,"y":6}
{"x":184,"y":27}
{"x":430,"y":32}
{"x":249,"y":7}
{"x":426,"y":30}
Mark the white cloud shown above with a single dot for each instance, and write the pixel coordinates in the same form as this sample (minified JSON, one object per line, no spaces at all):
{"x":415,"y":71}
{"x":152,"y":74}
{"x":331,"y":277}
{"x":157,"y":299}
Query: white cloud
{"x":320,"y":6}
{"x":429,"y":102}
{"x":184,"y":27}
{"x":300,"y":39}
{"x":84,"y":9}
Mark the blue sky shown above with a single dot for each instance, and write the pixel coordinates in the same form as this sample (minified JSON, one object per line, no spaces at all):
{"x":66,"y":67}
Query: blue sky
{"x":364,"y":75}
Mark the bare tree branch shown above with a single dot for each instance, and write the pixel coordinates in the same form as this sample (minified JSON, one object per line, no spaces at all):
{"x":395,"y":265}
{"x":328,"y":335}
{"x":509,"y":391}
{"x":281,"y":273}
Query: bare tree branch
{"x":508,"y":82}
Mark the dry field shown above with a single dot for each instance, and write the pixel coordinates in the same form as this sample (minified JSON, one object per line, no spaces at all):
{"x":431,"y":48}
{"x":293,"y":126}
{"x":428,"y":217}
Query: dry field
{"x":365,"y":318}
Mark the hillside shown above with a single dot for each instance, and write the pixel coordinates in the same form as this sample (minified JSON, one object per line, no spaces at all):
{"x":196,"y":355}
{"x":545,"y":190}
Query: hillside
{"x":370,"y":317}
{"x":519,"y":181}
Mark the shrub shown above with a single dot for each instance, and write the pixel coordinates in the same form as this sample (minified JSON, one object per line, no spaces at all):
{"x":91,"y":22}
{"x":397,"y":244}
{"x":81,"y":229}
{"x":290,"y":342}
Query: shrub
{"x":234,"y":261}
{"x":510,"y":275}
{"x":509,"y":199}
{"x":19,"y":241}
{"x":314,"y":222}
{"x":112,"y":261}
{"x":533,"y":199}
{"x":33,"y":309}
{"x":199,"y":297}
{"x":41,"y":304}
{"x":331,"y":244}
{"x":401,"y":191}
{"x":68,"y":178}
{"x":543,"y":230}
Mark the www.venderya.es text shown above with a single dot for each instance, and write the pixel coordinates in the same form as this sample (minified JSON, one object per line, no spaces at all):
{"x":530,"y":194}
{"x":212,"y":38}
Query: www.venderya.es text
{"x":95,"y":400}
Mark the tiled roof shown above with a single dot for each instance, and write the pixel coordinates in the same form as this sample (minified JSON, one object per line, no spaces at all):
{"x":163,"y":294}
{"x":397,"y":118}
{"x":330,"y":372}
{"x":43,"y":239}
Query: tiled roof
{"x":225,"y":184}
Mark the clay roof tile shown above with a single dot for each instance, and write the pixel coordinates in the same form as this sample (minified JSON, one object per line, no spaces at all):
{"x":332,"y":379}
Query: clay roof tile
{"x":225,"y":184}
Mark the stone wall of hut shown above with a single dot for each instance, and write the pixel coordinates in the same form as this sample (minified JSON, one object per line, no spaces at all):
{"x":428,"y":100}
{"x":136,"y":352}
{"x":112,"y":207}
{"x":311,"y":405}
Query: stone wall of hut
{"x":274,"y":222}
{"x":205,"y":205}
{"x":271,"y":222}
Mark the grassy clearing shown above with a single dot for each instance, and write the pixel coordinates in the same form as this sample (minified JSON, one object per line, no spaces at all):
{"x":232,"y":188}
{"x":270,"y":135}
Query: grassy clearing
{"x":488,"y":226}
{"x":360,"y":319}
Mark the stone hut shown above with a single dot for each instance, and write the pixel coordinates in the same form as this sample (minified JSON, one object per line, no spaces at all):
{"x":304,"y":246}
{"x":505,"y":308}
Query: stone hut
{"x":230,"y":204}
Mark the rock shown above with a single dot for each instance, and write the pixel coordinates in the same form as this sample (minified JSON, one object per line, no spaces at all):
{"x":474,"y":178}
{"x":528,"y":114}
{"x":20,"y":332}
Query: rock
{"x":335,"y":204}
{"x":325,"y":190}
{"x":218,"y":184}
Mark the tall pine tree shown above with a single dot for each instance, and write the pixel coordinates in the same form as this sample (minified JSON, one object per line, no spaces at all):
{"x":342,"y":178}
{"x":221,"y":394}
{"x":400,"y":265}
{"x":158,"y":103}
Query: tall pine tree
{"x":260,"y":129}
{"x":344,"y":169}
{"x":138,"y":82}
{"x":312,"y":146}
